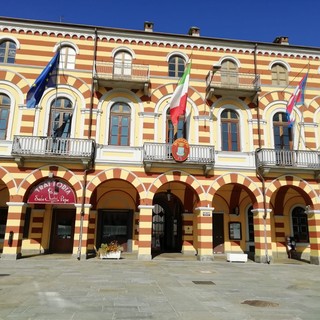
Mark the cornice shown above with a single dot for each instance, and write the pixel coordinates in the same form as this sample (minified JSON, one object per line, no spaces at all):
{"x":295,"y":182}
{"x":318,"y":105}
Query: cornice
{"x":155,"y":39}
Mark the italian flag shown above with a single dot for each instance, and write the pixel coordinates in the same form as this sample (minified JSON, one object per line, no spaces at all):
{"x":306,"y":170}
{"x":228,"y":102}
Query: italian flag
{"x":178,"y":101}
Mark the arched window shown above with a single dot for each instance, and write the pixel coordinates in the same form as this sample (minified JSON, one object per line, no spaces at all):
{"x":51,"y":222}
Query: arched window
{"x":181,"y":128}
{"x":5,"y":103}
{"x":67,"y":58}
{"x":229,"y":72}
{"x":230,"y":130}
{"x":120,"y":118}
{"x":7,"y":52}
{"x":300,"y":225}
{"x":176,"y":66}
{"x":60,"y":118}
{"x":281,"y":131}
{"x":122,"y":63}
{"x":279,"y":75}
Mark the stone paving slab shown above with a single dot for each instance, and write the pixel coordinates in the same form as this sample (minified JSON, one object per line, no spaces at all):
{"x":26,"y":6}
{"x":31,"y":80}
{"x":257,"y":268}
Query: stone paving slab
{"x":49,"y":287}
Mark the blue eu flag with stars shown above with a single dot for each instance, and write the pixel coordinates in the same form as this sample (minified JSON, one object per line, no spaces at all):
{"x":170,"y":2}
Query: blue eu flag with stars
{"x":47,"y":79}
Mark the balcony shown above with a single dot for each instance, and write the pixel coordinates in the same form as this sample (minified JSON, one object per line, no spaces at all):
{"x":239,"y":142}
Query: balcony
{"x":129,"y":76}
{"x":159,"y":155}
{"x":271,"y":160}
{"x":237,"y":84}
{"x":49,"y":149}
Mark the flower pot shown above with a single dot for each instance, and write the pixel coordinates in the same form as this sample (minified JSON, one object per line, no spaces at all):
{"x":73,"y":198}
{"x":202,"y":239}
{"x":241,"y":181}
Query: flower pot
{"x":111,"y":255}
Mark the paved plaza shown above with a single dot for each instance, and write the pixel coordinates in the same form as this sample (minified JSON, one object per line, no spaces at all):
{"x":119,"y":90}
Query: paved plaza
{"x":61,"y":287}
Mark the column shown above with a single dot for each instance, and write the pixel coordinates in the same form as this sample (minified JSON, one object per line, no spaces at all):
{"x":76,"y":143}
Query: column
{"x":204,"y":233}
{"x":314,"y":235}
{"x":145,"y":232}
{"x":262,"y":235}
{"x":80,"y":241}
{"x":14,"y":231}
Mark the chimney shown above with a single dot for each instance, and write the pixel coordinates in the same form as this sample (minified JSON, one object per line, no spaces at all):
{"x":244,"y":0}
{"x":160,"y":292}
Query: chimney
{"x":194,"y":31}
{"x":281,"y":40}
{"x":148,"y":26}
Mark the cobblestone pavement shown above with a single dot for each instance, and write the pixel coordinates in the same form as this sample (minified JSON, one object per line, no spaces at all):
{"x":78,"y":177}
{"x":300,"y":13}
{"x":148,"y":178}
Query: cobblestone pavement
{"x":61,"y":287}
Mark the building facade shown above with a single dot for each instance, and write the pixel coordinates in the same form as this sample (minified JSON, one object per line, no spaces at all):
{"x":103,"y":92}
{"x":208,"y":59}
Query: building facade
{"x":94,"y":161}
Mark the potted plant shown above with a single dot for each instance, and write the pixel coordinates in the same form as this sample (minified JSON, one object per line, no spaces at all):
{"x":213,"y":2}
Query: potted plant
{"x":110,"y":250}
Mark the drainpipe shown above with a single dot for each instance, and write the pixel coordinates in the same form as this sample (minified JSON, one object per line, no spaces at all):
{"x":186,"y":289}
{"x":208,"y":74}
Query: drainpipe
{"x":260,"y":176}
{"x":85,"y":174}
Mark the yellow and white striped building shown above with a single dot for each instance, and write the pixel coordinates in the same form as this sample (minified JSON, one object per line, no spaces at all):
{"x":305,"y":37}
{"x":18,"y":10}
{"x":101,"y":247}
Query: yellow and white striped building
{"x":93,"y":162}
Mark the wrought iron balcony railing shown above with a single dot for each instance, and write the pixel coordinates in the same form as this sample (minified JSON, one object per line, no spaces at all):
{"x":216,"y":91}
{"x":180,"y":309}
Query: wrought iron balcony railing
{"x":159,"y":154}
{"x":219,"y":82}
{"x":50,"y":147}
{"x":122,"y":74}
{"x":267,"y":159}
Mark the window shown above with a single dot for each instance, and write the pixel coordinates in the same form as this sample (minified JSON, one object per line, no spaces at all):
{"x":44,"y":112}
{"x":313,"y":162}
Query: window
{"x":230,"y":130}
{"x":7,"y":52}
{"x":122,"y":63}
{"x":4,"y":115}
{"x":279,"y":75}
{"x":300,"y":225}
{"x":250,"y":224}
{"x":176,"y":66}
{"x":3,"y":221}
{"x":181,"y":129}
{"x":282,"y":133}
{"x":61,"y":116}
{"x":67,"y":58}
{"x":120,"y":117}
{"x":229,"y":73}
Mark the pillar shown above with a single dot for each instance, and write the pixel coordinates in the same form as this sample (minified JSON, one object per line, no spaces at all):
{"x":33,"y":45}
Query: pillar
{"x":262,"y":235}
{"x":80,"y":242}
{"x":204,"y":233}
{"x":314,"y":235}
{"x":14,"y":231}
{"x":145,"y":232}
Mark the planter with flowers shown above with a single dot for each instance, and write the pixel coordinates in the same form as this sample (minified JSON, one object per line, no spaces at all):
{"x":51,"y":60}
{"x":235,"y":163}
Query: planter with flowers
{"x":110,"y":250}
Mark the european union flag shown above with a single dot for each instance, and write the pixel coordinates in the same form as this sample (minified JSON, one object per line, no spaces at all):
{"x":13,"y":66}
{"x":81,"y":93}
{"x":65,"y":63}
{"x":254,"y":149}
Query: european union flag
{"x":47,"y":79}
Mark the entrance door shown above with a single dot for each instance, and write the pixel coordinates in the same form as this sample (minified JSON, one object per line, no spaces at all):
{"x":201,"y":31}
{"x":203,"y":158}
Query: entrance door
{"x":115,"y":225}
{"x":62,"y":234}
{"x":166,"y":224}
{"x":218,"y":233}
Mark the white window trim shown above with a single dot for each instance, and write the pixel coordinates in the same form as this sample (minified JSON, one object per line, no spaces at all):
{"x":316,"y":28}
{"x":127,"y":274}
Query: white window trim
{"x":9,"y":38}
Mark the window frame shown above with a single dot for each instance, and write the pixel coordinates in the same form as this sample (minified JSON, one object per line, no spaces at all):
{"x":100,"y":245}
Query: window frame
{"x":120,"y":115}
{"x":7,"y":47}
{"x":297,"y":215}
{"x":230,"y":122}
{"x":65,"y":117}
{"x":279,"y":75}
{"x":176,"y":66}
{"x":282,"y":132}
{"x":67,"y":58}
{"x":4,"y":106}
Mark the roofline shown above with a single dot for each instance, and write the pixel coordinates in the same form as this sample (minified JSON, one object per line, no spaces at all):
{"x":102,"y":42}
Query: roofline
{"x":149,"y":35}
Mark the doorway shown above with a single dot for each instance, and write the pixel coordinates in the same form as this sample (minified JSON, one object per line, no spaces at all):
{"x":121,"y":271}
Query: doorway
{"x":166,"y":224}
{"x":218,"y":232}
{"x":62,"y":233}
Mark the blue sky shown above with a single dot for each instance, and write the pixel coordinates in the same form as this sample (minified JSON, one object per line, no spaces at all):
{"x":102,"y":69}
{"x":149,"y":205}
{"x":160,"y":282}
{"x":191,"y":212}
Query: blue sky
{"x":252,"y":20}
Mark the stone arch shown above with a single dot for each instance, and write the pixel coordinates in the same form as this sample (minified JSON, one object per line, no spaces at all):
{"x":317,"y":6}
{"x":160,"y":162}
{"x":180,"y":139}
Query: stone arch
{"x":167,"y":90}
{"x":9,"y":181}
{"x":287,"y":180}
{"x":116,"y":173}
{"x":238,"y":179}
{"x":177,"y":176}
{"x":16,"y":78}
{"x":274,"y":96}
{"x":43,"y":173}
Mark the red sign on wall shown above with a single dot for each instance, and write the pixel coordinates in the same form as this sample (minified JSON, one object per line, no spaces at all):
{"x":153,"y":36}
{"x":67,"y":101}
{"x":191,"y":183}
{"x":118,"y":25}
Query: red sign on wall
{"x":52,"y":191}
{"x":180,"y":150}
